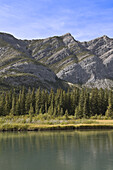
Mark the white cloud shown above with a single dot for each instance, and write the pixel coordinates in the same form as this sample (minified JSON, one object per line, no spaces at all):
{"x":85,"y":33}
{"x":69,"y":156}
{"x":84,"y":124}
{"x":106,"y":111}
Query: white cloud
{"x":26,"y":21}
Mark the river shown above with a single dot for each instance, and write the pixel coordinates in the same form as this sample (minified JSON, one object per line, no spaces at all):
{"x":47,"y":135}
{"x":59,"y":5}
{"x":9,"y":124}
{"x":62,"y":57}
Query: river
{"x":61,"y":150}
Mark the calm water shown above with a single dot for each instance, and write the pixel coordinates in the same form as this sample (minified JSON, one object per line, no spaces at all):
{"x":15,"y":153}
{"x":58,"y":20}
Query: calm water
{"x":78,"y":150}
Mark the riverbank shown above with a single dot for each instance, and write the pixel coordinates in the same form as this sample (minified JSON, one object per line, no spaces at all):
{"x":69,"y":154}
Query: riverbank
{"x":35,"y":127}
{"x":38,"y":123}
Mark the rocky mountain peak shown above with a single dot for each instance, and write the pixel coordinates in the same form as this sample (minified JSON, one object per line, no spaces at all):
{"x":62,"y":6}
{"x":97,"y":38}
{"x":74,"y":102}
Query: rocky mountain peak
{"x":100,"y":45}
{"x":68,"y":39}
{"x":67,"y":34}
{"x":105,"y":37}
{"x":87,"y":63}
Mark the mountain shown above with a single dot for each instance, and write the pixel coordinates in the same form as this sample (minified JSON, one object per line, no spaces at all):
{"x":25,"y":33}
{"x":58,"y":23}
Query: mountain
{"x":19,"y":68}
{"x":45,"y":62}
{"x":85,"y":63}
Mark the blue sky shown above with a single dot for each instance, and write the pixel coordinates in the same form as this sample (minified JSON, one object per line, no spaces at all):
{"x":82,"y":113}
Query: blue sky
{"x":84,"y":19}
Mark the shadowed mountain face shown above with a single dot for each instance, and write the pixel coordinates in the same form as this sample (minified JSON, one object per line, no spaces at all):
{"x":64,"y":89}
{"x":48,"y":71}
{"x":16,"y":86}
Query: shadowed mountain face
{"x":42,"y":62}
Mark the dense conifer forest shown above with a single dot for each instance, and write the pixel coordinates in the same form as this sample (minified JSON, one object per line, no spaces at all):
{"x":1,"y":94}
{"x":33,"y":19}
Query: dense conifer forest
{"x":82,"y":103}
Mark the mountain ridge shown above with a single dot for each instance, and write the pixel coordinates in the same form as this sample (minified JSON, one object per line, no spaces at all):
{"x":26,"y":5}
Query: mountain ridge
{"x":88,"y":63}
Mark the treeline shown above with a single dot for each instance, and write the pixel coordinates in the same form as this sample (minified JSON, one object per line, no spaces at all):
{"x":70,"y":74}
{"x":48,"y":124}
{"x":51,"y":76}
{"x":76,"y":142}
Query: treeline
{"x":82,"y":103}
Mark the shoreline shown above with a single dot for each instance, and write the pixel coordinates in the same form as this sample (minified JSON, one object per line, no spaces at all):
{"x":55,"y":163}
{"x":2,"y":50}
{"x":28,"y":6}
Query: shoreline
{"x":35,"y":127}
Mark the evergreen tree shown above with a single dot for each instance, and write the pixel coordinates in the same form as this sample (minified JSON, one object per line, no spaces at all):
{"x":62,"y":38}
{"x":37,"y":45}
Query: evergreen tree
{"x":55,"y":112}
{"x":31,"y":110}
{"x":46,"y":107}
{"x":82,"y":103}
{"x":77,"y":115}
{"x":37,"y":101}
{"x":66,"y":115}
{"x":2,"y":104}
{"x":79,"y":108}
{"x":94,"y":108}
{"x":28,"y":101}
{"x":101,"y":102}
{"x":7,"y":105}
{"x":109,"y":112}
{"x":51,"y":110}
{"x":61,"y":112}
{"x":33,"y":99}
{"x":17,"y":107}
{"x":86,"y":106}
{"x":13,"y":109}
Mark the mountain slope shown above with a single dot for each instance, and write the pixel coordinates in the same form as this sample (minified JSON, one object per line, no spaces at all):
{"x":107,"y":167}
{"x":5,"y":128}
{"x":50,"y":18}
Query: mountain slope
{"x":84,"y":63}
{"x":22,"y":62}
{"x":58,"y":52}
{"x":18,"y":67}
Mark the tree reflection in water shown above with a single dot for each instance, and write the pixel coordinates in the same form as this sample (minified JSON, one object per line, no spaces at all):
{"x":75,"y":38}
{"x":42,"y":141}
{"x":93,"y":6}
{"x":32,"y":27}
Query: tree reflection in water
{"x":74,"y":150}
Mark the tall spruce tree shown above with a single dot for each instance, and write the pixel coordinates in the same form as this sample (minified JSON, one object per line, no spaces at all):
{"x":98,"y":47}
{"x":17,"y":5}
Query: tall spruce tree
{"x":109,"y":111}
{"x":37,"y":101}
{"x":86,"y":109}
{"x":28,"y":101}
{"x":13,"y":107}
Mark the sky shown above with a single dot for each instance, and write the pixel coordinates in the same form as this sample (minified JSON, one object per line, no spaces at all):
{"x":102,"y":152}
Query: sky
{"x":35,"y":19}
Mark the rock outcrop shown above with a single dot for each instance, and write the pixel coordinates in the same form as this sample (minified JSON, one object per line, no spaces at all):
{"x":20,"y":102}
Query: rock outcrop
{"x":19,"y":68}
{"x":44,"y":62}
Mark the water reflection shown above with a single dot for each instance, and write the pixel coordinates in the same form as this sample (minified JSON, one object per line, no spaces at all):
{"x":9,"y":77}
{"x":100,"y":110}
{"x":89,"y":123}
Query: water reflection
{"x":75,"y":150}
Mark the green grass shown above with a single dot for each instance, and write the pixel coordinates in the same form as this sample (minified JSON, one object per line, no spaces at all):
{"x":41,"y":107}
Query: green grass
{"x":46,"y":122}
{"x":35,"y":127}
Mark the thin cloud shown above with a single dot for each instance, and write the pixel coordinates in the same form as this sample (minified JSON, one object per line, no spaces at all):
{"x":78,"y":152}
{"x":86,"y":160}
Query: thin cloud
{"x":43,"y":18}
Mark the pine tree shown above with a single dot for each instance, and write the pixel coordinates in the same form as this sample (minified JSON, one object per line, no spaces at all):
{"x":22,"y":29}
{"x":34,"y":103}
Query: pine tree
{"x":51,"y":110}
{"x":37,"y":101}
{"x":109,"y":111}
{"x":2,"y":104}
{"x":28,"y":101}
{"x":42,"y":101}
{"x":106,"y":92}
{"x":101,"y":102}
{"x":46,"y":107}
{"x":33,"y":99}
{"x":94,"y":107}
{"x":66,"y":115}
{"x":17,"y":107}
{"x":58,"y":110}
{"x":77,"y":116}
{"x":22,"y":103}
{"x":55,"y":112}
{"x":13,"y":109}
{"x":68,"y":101}
{"x":79,"y":108}
{"x":7,"y":105}
{"x":61,"y":112}
{"x":31,"y":110}
{"x":40,"y":111}
{"x":79,"y":112}
{"x":86,"y":106}
{"x":74,"y":100}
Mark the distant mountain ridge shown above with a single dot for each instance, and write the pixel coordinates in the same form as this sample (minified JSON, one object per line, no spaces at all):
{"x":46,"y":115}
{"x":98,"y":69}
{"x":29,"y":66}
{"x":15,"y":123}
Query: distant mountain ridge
{"x":43,"y":62}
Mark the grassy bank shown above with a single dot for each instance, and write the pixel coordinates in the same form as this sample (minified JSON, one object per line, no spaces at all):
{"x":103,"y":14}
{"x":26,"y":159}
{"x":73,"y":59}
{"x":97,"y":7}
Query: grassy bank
{"x":43,"y":123}
{"x":34,"y":127}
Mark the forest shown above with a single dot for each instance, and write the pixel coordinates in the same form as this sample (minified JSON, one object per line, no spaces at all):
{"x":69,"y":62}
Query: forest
{"x":81,"y":103}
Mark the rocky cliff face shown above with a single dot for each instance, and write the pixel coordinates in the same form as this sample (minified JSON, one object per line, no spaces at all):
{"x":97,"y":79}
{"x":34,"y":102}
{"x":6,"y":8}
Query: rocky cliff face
{"x":84,"y":63}
{"x":102,"y":48}
{"x":19,"y":68}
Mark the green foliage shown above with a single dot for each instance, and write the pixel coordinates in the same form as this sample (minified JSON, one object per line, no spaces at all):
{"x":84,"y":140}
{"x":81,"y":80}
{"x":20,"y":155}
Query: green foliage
{"x":66,"y":115}
{"x":80,"y":103}
{"x":109,"y":111}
